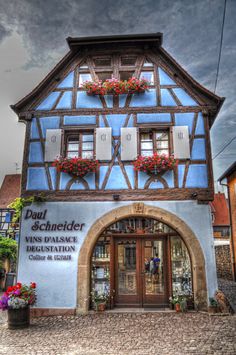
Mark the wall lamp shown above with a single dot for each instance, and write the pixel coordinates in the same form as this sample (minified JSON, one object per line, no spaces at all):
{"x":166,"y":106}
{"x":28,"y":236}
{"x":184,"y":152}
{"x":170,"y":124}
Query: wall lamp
{"x":116,"y":197}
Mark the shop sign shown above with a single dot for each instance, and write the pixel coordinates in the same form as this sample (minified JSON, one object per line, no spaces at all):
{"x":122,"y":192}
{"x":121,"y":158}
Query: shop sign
{"x":50,"y":241}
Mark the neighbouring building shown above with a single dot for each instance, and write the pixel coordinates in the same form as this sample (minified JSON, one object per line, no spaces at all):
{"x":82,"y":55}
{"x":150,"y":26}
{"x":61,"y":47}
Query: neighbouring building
{"x":9,"y":190}
{"x":230,"y":177}
{"x":221,"y":232}
{"x":220,"y":216}
{"x":101,"y":231}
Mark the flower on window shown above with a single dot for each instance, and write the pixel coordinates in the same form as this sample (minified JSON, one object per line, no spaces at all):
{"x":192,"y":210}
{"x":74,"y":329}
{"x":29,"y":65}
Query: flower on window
{"x":115,"y":86}
{"x":75,"y":166}
{"x":155,"y":163}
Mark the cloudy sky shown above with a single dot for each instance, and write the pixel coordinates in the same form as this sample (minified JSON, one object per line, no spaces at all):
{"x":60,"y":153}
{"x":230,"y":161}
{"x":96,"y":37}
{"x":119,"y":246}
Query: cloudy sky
{"x":32,"y":40}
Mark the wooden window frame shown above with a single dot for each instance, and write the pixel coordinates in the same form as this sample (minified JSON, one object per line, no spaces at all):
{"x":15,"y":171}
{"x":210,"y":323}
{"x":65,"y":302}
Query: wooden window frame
{"x":153,"y":131}
{"x":79,"y":133}
{"x":128,"y":56}
{"x":105,"y":72}
{"x":102,"y":57}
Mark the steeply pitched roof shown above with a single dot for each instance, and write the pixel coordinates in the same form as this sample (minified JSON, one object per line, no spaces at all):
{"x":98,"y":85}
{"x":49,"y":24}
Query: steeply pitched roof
{"x":220,"y":210}
{"x":228,"y":172}
{"x":79,"y":45}
{"x":10,"y":189}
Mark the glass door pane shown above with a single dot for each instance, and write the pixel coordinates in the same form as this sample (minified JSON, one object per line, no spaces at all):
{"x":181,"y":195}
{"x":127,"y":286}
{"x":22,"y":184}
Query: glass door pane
{"x":154,"y":274}
{"x":154,"y":269}
{"x":127,"y":277}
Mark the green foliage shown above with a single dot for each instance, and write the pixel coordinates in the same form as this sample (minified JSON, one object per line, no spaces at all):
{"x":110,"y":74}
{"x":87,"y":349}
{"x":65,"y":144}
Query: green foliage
{"x":8,"y":249}
{"x":19,"y":203}
{"x":213,"y":302}
{"x":179,"y":299}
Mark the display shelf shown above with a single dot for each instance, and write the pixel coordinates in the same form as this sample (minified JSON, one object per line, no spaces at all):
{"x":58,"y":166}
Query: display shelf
{"x":101,"y":261}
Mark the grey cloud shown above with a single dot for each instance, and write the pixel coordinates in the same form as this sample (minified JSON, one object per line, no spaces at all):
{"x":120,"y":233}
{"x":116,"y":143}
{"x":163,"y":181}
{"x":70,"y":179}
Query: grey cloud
{"x":4,"y":32}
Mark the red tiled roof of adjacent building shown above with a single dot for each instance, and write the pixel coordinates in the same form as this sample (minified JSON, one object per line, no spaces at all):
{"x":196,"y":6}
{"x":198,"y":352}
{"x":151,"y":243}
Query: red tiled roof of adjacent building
{"x":10,"y":189}
{"x":220,"y":210}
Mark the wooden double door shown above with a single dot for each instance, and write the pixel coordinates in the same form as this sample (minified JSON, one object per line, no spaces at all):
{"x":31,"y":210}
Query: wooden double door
{"x":140,"y":272}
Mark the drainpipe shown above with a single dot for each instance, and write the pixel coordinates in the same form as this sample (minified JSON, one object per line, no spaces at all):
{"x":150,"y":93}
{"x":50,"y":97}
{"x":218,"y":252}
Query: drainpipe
{"x":231,"y":233}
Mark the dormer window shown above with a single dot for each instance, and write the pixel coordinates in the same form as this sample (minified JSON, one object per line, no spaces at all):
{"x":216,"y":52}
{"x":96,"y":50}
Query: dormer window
{"x":154,"y":141}
{"x":79,"y":144}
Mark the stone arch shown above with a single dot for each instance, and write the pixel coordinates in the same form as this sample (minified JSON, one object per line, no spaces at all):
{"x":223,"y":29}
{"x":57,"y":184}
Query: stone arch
{"x":140,"y":210}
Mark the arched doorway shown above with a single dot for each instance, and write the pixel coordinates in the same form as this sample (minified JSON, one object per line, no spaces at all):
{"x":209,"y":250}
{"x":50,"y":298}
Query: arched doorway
{"x":140,"y":262}
{"x":143,"y":211}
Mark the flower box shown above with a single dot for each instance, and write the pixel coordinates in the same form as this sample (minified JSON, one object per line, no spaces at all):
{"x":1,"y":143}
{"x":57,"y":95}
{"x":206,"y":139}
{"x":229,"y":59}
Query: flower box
{"x":155,"y":164}
{"x":116,"y":87}
{"x":77,"y":167}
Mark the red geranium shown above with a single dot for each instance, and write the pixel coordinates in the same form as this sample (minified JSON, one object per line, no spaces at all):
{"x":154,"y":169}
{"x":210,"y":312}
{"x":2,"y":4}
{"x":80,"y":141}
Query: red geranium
{"x":18,"y":296}
{"x":75,"y":166}
{"x":155,"y":163}
{"x":115,"y":86}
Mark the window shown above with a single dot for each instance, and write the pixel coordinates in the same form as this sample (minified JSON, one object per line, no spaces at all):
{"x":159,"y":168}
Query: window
{"x":147,"y":75}
{"x":102,"y":61}
{"x":83,"y":78}
{"x":154,"y":142}
{"x":128,"y":61}
{"x":126,"y":75}
{"x":80,"y":144}
{"x":104,"y":76}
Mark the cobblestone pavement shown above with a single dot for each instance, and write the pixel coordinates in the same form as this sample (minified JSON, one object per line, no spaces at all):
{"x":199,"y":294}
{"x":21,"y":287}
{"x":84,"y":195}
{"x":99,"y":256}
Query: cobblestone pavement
{"x":123,"y":334}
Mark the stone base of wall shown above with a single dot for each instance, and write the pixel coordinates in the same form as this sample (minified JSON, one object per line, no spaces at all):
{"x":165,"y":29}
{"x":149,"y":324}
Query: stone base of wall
{"x":45,"y":312}
{"x":223,"y":263}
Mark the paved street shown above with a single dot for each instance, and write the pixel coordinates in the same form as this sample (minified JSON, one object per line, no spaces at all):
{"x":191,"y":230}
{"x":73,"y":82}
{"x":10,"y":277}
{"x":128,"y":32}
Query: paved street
{"x":123,"y":333}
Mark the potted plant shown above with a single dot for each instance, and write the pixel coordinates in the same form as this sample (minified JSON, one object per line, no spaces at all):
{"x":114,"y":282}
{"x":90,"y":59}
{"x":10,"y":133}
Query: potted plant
{"x":77,"y":167}
{"x":17,"y":301}
{"x":8,"y":256}
{"x":99,"y":300}
{"x":179,"y":301}
{"x":115,"y":86}
{"x":213,"y":305}
{"x":155,"y":164}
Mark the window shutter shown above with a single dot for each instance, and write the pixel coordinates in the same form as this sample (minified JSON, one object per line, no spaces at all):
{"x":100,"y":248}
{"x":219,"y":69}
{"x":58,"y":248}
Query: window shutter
{"x":103,"y":143}
{"x":52,"y":144}
{"x":181,"y":142}
{"x":129,"y":148}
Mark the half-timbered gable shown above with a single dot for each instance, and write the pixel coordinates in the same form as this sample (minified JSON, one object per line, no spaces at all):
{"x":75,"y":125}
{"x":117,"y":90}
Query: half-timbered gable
{"x":172,"y":117}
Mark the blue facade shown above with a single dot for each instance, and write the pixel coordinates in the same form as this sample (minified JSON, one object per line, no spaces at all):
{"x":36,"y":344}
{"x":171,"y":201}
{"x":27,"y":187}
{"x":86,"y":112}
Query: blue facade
{"x":122,"y":175}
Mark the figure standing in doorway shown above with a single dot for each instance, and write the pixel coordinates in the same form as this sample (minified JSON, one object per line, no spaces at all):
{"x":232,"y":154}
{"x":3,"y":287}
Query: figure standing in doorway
{"x":156,"y":265}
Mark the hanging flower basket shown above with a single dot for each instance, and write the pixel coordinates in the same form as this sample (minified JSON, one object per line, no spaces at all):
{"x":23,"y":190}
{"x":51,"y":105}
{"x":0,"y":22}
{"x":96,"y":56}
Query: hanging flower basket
{"x":155,"y":164}
{"x":116,"y":87}
{"x":77,"y":167}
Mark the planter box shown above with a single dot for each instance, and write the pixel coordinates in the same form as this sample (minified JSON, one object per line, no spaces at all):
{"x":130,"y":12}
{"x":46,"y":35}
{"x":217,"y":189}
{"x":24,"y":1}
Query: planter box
{"x":18,"y":318}
{"x":112,"y":93}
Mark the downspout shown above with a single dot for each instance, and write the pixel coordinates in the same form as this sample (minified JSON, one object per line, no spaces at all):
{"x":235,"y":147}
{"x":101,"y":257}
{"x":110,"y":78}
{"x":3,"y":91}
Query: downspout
{"x":231,"y":233}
